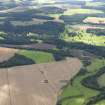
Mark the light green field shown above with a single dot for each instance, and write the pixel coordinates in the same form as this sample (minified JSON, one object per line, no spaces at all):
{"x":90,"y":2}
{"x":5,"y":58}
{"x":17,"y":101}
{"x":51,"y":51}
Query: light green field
{"x":96,"y":65}
{"x":37,"y":56}
{"x":101,"y":102}
{"x":86,"y":38}
{"x":79,"y":90}
{"x":101,"y":80}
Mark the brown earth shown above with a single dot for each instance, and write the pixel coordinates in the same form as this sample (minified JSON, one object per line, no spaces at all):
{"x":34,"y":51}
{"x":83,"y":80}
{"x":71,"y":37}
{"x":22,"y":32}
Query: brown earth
{"x":6,"y":53}
{"x":37,"y":46}
{"x":38,"y":84}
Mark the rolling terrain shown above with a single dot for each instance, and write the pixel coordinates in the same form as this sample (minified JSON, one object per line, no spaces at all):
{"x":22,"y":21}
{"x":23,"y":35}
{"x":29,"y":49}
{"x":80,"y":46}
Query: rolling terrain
{"x":52,"y":52}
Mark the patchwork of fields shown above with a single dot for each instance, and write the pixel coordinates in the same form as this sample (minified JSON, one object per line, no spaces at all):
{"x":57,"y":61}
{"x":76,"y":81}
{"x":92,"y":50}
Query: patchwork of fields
{"x":52,"y":52}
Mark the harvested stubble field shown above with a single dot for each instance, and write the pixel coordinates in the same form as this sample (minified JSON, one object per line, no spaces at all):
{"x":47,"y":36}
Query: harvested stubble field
{"x":6,"y":53}
{"x":38,"y":84}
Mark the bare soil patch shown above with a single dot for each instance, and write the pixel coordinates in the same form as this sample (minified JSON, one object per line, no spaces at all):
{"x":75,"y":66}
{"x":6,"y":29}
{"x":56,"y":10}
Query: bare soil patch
{"x":36,"y":84}
{"x":6,"y":53}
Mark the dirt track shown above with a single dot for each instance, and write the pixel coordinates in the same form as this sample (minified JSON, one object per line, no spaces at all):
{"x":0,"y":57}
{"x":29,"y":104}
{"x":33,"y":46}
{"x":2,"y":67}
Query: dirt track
{"x":37,"y":84}
{"x":6,"y":53}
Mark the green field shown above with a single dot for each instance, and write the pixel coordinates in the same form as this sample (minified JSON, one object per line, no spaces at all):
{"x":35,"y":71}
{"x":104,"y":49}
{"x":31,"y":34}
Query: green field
{"x":27,"y":57}
{"x":101,"y":102}
{"x":101,"y":80}
{"x":78,"y":94}
{"x":87,"y":38}
{"x":95,"y":65}
{"x":37,"y":56}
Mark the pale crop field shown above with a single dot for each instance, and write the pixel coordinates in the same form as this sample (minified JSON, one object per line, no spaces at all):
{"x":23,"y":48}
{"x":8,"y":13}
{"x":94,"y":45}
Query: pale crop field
{"x":96,"y":20}
{"x":38,"y":84}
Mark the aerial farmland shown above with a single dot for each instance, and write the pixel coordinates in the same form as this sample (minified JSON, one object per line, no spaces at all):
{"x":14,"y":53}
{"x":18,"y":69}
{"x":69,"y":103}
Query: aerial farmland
{"x":52,"y":52}
{"x":38,"y":84}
